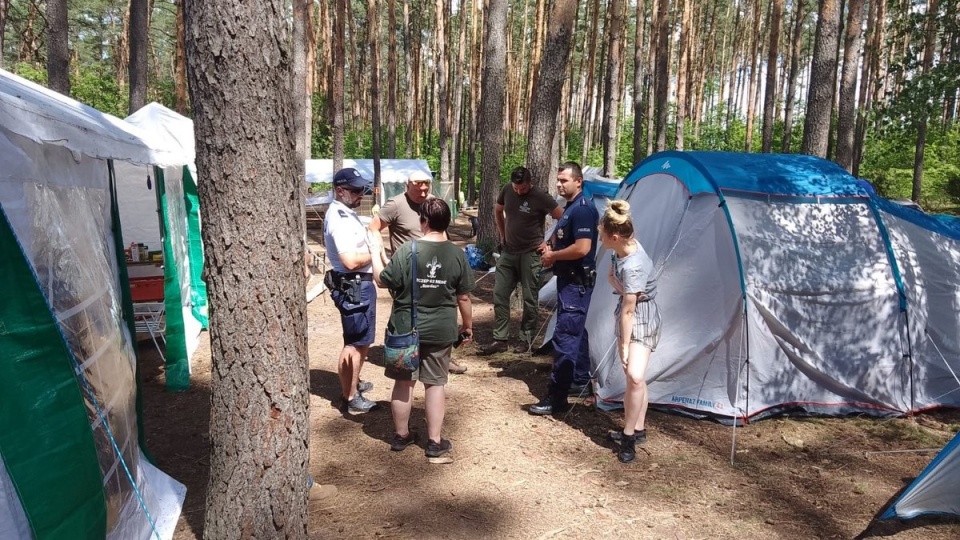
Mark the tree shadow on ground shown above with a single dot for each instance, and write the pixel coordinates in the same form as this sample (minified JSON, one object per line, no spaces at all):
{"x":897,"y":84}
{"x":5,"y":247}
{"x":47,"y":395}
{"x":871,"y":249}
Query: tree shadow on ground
{"x":180,"y":443}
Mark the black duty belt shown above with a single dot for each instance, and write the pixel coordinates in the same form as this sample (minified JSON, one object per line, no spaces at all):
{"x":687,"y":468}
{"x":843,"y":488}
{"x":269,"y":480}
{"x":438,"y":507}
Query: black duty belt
{"x":363,"y":276}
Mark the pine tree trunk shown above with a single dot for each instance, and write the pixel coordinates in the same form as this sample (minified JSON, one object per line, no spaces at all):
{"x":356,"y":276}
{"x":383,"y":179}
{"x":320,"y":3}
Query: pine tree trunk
{"x":662,"y":76}
{"x":392,"y":61}
{"x":588,"y":107}
{"x":300,"y":89}
{"x":847,"y":120}
{"x":770,"y":91}
{"x":373,"y":30}
{"x":58,"y":55}
{"x":180,"y":63}
{"x":4,"y":10}
{"x":492,"y":113}
{"x":476,"y":21}
{"x":336,"y":82}
{"x":611,"y":91}
{"x":816,"y":125}
{"x":443,"y":93}
{"x":795,"y":51}
{"x":930,"y":36}
{"x":639,"y":68}
{"x":683,"y":70}
{"x":458,"y":102}
{"x":547,"y":94}
{"x":754,"y":78}
{"x":240,"y":85}
{"x":139,"y":37}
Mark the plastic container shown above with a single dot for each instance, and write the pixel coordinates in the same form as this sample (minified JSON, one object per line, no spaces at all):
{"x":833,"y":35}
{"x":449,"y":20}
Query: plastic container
{"x":147,"y":289}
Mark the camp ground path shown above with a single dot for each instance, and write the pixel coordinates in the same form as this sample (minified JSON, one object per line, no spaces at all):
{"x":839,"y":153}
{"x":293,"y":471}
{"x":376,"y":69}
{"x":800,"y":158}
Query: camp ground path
{"x":518,"y":476}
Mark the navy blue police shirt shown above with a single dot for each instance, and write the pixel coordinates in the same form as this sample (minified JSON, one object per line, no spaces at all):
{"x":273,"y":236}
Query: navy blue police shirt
{"x":579,"y":220}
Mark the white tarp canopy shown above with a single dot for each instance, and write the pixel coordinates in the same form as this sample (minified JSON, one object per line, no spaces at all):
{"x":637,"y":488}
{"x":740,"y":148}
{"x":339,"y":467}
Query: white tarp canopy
{"x":393,"y":174}
{"x":76,"y":352}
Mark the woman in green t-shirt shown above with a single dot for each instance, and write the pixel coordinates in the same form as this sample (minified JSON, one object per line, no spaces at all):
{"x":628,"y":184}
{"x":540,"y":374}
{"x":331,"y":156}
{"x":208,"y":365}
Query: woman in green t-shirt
{"x":444,"y":281}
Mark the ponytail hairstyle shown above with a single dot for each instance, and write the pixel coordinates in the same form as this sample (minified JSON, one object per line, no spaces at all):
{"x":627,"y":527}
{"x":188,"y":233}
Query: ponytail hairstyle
{"x":617,"y":219}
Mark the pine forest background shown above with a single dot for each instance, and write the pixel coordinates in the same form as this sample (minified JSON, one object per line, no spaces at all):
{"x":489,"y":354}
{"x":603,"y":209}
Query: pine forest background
{"x":872,"y":85}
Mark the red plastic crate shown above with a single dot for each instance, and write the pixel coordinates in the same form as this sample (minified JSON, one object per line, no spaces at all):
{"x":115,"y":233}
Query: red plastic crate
{"x":147,"y":289}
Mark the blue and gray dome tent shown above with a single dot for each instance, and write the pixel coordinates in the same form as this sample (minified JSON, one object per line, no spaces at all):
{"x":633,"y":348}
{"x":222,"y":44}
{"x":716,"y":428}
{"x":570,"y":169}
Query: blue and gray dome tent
{"x":786,"y":286}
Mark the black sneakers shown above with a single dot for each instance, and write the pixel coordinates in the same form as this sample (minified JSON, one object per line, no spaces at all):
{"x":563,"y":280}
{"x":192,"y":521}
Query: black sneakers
{"x":547,"y":406}
{"x":640,"y":437}
{"x":628,"y":449}
{"x":398,"y":443}
{"x":580,"y":390}
{"x":437,"y":449}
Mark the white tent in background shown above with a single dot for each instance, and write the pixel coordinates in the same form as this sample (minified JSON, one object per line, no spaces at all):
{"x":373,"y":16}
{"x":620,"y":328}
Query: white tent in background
{"x":393,"y":175}
{"x":160,"y":207}
{"x":935,"y":491}
{"x":71,"y":464}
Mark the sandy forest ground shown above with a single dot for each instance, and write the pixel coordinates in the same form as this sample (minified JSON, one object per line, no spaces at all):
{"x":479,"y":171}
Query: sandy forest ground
{"x":525,"y":477}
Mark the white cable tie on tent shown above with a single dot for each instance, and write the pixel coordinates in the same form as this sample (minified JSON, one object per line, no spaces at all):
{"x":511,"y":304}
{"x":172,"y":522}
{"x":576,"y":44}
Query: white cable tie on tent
{"x":914,"y":451}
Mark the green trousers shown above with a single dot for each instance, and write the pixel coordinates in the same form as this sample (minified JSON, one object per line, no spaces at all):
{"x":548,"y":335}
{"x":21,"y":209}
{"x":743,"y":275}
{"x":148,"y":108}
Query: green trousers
{"x":513,"y":268}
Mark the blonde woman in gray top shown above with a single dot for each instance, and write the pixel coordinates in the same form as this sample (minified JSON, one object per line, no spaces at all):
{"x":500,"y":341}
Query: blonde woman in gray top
{"x":638,"y":320}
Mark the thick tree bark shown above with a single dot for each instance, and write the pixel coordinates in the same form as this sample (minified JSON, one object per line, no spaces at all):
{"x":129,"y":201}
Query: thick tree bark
{"x":823,"y":68}
{"x":770,"y":90}
{"x":662,"y":76}
{"x":180,"y":63}
{"x":611,"y":91}
{"x":547,"y":94}
{"x":847,"y":120}
{"x":492,"y":113}
{"x":58,"y":53}
{"x":795,"y":50}
{"x":139,"y":38}
{"x":240,"y":87}
{"x":639,"y":70}
{"x":336,"y":81}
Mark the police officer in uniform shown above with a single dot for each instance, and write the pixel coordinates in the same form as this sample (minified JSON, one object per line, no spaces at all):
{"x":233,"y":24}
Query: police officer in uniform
{"x":571,"y":254}
{"x":350,"y":281}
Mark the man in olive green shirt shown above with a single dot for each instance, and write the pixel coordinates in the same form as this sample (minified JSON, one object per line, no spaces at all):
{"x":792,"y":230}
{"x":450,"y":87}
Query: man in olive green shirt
{"x":520,"y":215}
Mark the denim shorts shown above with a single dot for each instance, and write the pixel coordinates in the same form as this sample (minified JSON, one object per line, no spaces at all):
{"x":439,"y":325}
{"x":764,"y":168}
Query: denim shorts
{"x":359,"y":320}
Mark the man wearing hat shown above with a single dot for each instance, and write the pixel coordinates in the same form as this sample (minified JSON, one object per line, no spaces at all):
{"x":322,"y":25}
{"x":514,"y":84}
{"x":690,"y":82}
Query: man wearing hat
{"x":520,"y":215}
{"x":401,"y":215}
{"x":350,"y":281}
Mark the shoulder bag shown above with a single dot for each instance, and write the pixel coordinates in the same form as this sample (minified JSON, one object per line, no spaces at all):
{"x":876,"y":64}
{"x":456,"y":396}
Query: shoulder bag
{"x":402,"y":351}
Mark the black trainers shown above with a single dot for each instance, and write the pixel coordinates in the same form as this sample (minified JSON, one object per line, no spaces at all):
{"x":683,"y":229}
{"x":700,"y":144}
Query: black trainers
{"x":364,"y":386}
{"x":398,"y":443}
{"x":640,"y":437}
{"x":359,"y":405}
{"x":580,"y":390}
{"x":546,"y":407}
{"x":496,"y":347}
{"x":628,"y":450}
{"x":437,"y":449}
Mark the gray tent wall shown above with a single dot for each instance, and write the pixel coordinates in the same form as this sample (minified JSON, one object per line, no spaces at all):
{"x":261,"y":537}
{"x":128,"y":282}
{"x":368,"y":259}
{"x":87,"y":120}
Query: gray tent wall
{"x":783,"y":291}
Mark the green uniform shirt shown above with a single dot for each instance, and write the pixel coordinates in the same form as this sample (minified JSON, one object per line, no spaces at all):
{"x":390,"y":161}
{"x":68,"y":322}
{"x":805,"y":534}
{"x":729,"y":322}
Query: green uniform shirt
{"x":442,"y":274}
{"x":525,"y":216}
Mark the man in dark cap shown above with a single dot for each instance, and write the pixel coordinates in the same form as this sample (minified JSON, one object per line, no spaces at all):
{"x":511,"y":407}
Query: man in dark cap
{"x":351,"y":285}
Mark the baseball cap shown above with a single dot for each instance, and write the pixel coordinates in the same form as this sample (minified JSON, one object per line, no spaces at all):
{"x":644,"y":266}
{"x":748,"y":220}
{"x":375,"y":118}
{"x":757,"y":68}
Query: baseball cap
{"x":350,"y":178}
{"x":420,"y":176}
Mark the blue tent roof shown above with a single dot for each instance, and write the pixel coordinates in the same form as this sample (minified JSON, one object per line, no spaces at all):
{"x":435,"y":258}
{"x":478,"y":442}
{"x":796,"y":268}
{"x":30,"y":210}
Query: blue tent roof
{"x":791,"y":175}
